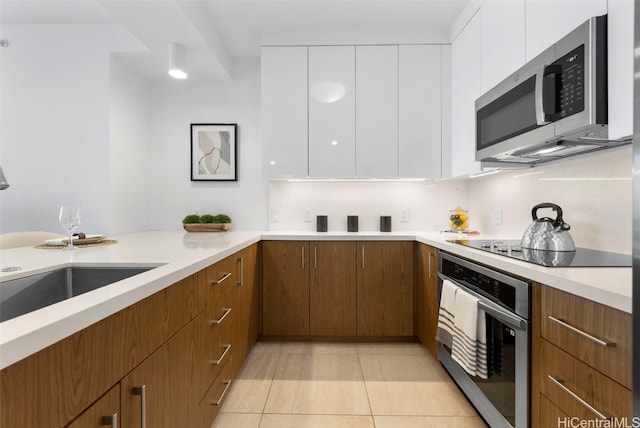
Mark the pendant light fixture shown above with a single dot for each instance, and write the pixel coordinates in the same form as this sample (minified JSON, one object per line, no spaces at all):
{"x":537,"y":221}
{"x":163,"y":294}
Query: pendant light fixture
{"x":177,"y":61}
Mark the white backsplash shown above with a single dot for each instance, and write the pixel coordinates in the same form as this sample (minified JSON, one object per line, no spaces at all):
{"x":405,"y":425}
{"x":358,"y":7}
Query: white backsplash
{"x":594,"y":192}
{"x":427,"y":203}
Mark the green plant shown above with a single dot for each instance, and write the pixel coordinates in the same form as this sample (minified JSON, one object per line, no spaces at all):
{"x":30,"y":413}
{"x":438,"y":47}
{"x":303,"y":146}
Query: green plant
{"x":222,"y":218}
{"x":191,"y":218}
{"x":207,"y":218}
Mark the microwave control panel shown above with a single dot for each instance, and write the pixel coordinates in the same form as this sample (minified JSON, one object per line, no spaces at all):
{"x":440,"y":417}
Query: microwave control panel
{"x":570,"y":96}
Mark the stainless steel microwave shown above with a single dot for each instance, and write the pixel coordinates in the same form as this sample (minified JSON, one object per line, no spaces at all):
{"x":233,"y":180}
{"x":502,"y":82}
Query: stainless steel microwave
{"x":554,"y":106}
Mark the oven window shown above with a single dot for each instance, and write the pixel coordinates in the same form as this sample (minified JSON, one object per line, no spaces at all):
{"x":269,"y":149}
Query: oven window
{"x":512,"y":114}
{"x":500,"y":387}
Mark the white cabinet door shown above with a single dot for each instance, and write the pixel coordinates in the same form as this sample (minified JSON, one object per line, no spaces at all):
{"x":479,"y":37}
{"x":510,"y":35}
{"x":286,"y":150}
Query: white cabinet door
{"x":465,"y":89}
{"x":547,"y":21}
{"x":284,"y":112}
{"x":502,"y":40}
{"x":420,"y":111}
{"x":377,"y":111}
{"x":620,"y":72}
{"x":332,"y":150}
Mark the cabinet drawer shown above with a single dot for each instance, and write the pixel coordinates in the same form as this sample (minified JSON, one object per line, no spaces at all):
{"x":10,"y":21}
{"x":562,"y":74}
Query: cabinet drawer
{"x":214,"y":346}
{"x":218,"y":281}
{"x":550,"y":414}
{"x":596,"y":334}
{"x":574,"y":386}
{"x":215,"y":396}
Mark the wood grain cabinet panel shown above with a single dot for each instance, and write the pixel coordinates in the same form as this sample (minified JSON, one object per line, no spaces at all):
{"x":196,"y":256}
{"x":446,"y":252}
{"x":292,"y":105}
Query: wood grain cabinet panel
{"x":247,"y":302}
{"x":576,"y":325}
{"x":285,"y":288}
{"x":576,"y":381}
{"x":333,"y":288}
{"x":385,"y":288}
{"x":427,"y":304}
{"x":104,"y":412}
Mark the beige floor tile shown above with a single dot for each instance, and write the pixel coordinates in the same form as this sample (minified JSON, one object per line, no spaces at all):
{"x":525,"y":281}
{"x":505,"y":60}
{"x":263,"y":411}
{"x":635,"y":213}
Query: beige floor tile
{"x":402,"y":368}
{"x":321,"y":348}
{"x":428,"y":422}
{"x":316,"y":421}
{"x":267,"y":348}
{"x":237,"y":420}
{"x":391,"y":349}
{"x":417,"y":398}
{"x":318,"y":384}
{"x":248,"y":393}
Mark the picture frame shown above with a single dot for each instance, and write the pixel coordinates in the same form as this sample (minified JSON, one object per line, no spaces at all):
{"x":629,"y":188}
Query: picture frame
{"x":214,"y":152}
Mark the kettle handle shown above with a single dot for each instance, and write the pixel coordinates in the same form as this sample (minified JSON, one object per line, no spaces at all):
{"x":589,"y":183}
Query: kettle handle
{"x":558,"y":221}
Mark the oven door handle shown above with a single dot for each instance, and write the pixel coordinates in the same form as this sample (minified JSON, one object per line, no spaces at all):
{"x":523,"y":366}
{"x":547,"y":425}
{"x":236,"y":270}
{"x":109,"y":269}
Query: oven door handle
{"x":492,"y":309}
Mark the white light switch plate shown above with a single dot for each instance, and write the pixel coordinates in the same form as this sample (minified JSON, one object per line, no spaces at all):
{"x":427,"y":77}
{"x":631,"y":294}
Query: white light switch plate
{"x":404,"y":217}
{"x":307,"y":215}
{"x":275,"y":215}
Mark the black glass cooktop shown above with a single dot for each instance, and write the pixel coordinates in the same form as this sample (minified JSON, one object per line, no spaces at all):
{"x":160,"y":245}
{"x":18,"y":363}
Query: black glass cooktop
{"x":581,"y":257}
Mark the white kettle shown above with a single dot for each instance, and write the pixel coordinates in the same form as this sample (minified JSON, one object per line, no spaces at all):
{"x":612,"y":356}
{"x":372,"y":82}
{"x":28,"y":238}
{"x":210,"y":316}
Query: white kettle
{"x":548,"y":234}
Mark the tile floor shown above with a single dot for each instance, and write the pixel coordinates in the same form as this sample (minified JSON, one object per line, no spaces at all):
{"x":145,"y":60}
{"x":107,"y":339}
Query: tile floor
{"x":344,"y":385}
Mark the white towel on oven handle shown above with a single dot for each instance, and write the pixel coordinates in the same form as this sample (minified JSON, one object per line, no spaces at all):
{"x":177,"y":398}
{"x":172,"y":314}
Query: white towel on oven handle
{"x":444,"y":332}
{"x":470,"y":335}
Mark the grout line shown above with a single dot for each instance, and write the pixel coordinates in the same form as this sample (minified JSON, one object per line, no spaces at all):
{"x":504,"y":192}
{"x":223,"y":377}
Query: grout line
{"x":364,"y":382}
{"x":271,"y":384}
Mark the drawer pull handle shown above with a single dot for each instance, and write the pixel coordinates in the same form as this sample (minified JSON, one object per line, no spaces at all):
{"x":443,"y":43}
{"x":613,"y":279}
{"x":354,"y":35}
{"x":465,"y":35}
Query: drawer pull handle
{"x":560,"y":383}
{"x":221,"y":280}
{"x":142,"y":392}
{"x":601,"y":342}
{"x":219,"y":360}
{"x":227,"y":384}
{"x":227,"y":311}
{"x":111,"y":420}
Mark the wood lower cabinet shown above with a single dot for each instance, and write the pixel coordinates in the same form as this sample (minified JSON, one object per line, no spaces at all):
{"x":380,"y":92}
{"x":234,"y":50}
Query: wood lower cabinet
{"x":285,"y":288}
{"x":309,"y":288}
{"x":174,"y":343}
{"x":159,"y":391}
{"x":427,"y":300}
{"x":332,"y":303}
{"x":385,"y":288}
{"x":337,"y":288}
{"x":581,"y":360}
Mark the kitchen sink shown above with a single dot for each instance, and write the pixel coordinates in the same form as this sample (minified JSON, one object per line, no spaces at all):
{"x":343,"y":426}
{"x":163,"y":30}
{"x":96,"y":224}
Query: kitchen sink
{"x":24,"y":295}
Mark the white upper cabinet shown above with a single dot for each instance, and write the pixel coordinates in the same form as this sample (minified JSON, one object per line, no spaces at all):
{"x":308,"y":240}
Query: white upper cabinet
{"x":332,"y":109}
{"x":502,"y":40}
{"x":465,"y":89}
{"x":547,"y":21}
{"x":284,"y":112}
{"x":377,"y":111}
{"x":620,"y":72}
{"x":420,"y":102}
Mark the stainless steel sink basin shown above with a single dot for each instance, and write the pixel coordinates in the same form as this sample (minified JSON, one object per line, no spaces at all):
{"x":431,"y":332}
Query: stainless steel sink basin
{"x":24,"y":295}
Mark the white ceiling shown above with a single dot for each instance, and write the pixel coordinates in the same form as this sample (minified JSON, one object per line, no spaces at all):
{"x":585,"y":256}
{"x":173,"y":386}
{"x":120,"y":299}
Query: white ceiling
{"x":216,"y":32}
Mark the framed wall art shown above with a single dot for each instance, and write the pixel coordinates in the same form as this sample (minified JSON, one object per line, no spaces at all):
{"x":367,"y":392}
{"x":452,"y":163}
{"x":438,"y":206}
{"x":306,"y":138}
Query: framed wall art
{"x":213,"y":152}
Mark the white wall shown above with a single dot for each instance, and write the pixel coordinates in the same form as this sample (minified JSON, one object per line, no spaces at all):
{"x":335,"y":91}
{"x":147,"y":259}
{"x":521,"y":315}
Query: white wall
{"x":174,"y":106}
{"x":129,"y":150}
{"x":54,"y":136}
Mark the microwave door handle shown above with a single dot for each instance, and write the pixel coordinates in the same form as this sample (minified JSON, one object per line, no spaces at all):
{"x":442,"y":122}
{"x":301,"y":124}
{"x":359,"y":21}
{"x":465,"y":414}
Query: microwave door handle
{"x":539,"y":97}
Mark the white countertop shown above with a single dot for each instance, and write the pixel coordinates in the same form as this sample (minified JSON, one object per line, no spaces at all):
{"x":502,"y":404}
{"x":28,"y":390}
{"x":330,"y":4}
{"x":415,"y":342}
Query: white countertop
{"x":181,"y":254}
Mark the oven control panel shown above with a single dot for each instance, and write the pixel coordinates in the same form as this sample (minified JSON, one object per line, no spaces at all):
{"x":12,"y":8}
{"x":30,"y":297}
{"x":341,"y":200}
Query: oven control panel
{"x":494,"y":289}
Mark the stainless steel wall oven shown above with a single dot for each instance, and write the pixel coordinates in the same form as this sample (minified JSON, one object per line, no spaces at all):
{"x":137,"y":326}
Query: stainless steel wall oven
{"x":503,"y":398}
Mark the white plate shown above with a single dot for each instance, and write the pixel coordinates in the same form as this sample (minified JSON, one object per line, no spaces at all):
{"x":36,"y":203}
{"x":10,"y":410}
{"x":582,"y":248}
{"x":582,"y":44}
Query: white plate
{"x":89,"y":239}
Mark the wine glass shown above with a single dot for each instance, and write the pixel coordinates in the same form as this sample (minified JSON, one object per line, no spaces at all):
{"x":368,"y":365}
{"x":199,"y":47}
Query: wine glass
{"x":69,"y":220}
